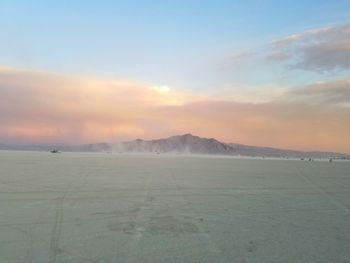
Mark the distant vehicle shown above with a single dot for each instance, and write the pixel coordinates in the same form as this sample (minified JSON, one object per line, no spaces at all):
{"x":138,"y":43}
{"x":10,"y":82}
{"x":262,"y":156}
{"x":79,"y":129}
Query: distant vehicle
{"x":55,"y":151}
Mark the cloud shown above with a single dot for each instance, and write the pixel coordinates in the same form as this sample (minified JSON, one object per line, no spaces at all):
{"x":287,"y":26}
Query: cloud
{"x":277,"y":56}
{"x":325,"y":92}
{"x":281,"y":123}
{"x":39,"y":107}
{"x":320,"y":50}
{"x":237,"y":92}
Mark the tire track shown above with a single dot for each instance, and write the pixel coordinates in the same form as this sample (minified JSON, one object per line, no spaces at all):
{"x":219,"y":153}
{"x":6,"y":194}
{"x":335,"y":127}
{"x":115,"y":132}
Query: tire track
{"x":323,"y":192}
{"x":58,"y":222}
{"x":203,"y":236}
{"x":29,"y":237}
{"x":57,"y":228}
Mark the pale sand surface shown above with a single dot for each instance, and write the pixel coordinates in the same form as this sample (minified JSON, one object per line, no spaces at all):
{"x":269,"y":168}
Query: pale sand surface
{"x":114,"y":208}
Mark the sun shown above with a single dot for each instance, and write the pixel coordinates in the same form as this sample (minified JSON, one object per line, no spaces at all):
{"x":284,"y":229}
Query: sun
{"x":162,"y":89}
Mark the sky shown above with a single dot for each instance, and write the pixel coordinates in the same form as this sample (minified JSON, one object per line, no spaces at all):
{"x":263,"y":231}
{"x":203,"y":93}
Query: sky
{"x":265,"y":73}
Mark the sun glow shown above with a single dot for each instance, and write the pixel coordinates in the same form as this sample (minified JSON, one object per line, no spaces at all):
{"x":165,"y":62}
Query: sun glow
{"x":162,"y":89}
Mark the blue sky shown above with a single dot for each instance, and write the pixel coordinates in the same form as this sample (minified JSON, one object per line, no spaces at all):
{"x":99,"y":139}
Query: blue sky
{"x":176,"y":43}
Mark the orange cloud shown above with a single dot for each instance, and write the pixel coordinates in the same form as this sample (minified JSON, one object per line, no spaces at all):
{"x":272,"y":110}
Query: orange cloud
{"x":288,"y":125}
{"x":37,"y":107}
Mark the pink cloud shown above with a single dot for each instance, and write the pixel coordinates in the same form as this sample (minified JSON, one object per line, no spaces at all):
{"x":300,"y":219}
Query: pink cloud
{"x":43,"y":107}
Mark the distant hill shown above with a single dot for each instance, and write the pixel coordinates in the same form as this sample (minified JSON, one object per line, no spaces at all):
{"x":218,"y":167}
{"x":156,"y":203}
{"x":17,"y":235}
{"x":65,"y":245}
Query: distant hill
{"x":190,"y":144}
{"x":181,"y":144}
{"x":256,"y":151}
{"x":186,"y":143}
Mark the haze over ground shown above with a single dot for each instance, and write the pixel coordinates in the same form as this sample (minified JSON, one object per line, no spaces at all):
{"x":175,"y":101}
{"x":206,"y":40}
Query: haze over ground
{"x":265,"y":73}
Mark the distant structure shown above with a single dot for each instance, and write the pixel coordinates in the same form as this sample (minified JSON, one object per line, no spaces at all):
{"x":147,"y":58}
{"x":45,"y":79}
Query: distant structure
{"x":55,"y":151}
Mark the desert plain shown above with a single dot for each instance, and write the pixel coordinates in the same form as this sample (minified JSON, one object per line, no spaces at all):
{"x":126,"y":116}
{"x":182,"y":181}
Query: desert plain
{"x":81,"y":207}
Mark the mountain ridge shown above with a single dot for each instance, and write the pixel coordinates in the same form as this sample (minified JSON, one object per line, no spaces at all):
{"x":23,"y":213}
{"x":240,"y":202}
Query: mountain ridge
{"x":182,"y":144}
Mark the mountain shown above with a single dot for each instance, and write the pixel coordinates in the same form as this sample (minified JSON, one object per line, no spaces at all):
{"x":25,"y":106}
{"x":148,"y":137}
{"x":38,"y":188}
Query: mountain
{"x":254,"y":151}
{"x":181,"y":144}
{"x":186,"y":143}
{"x":190,"y":144}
